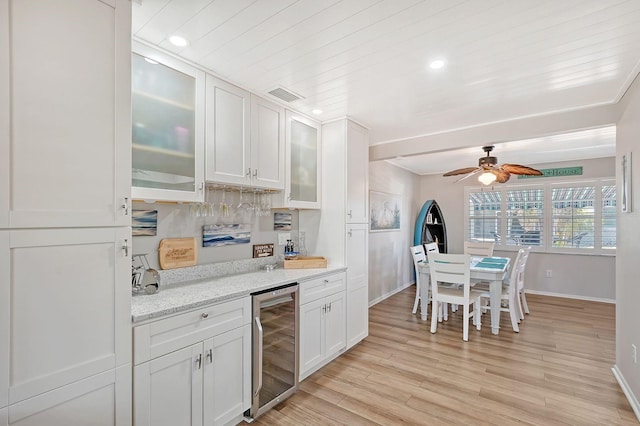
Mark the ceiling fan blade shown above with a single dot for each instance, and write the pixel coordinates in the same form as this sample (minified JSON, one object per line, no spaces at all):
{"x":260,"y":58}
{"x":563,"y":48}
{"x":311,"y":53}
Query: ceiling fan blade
{"x":517,"y":169}
{"x":461,"y":171}
{"x":473,"y":172}
{"x":501,"y":175}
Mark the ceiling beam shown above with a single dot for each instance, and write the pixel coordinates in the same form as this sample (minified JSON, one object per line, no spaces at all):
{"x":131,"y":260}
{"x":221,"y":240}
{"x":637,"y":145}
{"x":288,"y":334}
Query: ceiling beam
{"x":504,"y":131}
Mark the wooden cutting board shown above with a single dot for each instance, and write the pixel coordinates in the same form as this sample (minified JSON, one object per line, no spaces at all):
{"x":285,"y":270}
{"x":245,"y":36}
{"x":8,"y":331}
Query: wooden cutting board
{"x":178,"y":253}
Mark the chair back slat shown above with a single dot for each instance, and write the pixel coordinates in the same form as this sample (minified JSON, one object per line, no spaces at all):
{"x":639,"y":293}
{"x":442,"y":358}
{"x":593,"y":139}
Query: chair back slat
{"x":479,"y":248}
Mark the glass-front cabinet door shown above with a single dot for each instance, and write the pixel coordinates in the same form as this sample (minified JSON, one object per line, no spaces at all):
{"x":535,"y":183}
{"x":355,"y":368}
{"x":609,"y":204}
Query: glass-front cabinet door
{"x":303,"y":167}
{"x":167,"y":99}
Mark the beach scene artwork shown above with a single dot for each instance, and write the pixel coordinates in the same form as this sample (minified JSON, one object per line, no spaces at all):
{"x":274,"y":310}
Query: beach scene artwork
{"x":144,"y":222}
{"x":281,"y":221}
{"x":224,"y":234}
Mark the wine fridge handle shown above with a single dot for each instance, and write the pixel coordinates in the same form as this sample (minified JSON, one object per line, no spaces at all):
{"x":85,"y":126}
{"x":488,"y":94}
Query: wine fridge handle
{"x":260,"y":336}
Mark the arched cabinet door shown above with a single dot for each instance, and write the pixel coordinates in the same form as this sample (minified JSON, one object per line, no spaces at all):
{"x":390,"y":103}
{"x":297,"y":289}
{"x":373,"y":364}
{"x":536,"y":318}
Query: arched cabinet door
{"x":430,"y":226}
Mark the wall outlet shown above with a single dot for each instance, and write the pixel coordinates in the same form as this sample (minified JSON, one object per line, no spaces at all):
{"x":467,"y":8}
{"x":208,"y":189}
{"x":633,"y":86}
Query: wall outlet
{"x":283,"y":237}
{"x":634,"y":354}
{"x":549,"y":273}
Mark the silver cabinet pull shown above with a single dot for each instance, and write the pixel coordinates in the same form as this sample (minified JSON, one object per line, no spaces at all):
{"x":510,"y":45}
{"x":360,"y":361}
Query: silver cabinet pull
{"x":258,"y":386}
{"x":255,"y":173}
{"x":125,"y":247}
{"x":248,"y":174}
{"x":210,"y":355}
{"x":326,"y":281}
{"x":199,"y":361}
{"x":125,"y":206}
{"x":330,"y":306}
{"x":349,"y":233}
{"x":350,"y":214}
{"x":204,"y":315}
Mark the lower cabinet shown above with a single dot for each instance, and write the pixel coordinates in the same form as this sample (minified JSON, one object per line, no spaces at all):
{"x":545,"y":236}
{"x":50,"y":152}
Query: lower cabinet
{"x":322,"y":322}
{"x":207,"y":381}
{"x":101,"y":400}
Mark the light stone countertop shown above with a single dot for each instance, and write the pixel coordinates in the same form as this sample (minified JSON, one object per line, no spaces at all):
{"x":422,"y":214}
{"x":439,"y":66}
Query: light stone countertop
{"x":205,"y":291}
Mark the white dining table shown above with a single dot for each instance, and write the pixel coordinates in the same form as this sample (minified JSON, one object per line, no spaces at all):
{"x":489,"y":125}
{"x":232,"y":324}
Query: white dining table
{"x":493,"y":275}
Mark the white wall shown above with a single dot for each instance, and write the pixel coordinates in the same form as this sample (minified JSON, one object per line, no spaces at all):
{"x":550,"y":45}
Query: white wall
{"x":584,"y":276}
{"x":390,"y":263}
{"x":628,"y":242}
{"x":174,"y":221}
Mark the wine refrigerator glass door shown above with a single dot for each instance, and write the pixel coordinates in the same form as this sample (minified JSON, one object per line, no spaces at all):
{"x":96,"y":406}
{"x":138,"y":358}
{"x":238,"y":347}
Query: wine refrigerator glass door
{"x":275,"y":347}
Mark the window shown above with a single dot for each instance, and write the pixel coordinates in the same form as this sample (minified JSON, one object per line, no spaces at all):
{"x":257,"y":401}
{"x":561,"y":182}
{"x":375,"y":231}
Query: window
{"x":556,"y":217}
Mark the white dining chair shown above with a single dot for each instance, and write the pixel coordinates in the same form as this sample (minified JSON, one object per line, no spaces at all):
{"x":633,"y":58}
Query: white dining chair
{"x":479,"y":248}
{"x":523,"y":307}
{"x":419,"y":256}
{"x":455,"y":270}
{"x":509,"y":296}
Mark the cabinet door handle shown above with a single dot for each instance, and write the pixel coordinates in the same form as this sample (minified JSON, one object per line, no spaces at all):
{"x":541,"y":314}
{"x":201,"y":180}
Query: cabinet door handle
{"x":349,"y":233}
{"x":258,"y":386}
{"x":350,"y":214}
{"x":199,"y":361}
{"x":248,"y":174}
{"x":326,"y":281}
{"x":204,"y":315}
{"x":330,"y":306}
{"x":255,"y":173}
{"x":125,"y":206}
{"x":125,"y":247}
{"x":201,"y":187}
{"x":210,"y":355}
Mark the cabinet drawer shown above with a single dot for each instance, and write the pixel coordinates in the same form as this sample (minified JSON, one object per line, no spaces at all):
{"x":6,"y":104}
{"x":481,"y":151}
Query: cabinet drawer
{"x":321,"y":287}
{"x":167,"y":335}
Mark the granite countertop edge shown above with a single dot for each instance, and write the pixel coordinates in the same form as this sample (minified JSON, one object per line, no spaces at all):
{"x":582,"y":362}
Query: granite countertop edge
{"x":206,"y":291}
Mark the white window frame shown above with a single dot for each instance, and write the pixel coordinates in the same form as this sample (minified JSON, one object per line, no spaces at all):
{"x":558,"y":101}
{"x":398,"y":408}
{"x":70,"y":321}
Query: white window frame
{"x":546,"y":244}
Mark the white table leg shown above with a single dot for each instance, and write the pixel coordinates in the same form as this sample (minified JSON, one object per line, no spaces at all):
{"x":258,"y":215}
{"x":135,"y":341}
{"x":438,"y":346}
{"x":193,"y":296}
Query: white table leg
{"x":495,"y":290}
{"x":424,"y":294}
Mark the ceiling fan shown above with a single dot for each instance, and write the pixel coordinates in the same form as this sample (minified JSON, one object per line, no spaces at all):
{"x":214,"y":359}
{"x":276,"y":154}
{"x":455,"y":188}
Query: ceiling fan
{"x":491,"y":171}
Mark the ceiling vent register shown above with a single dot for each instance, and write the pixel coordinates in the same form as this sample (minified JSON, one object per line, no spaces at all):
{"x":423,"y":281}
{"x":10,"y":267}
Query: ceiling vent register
{"x":284,"y":94}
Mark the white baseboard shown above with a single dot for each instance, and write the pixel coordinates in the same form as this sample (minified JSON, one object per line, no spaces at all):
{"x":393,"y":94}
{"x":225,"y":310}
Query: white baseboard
{"x":569,"y":296}
{"x":633,"y":401}
{"x":391,"y":293}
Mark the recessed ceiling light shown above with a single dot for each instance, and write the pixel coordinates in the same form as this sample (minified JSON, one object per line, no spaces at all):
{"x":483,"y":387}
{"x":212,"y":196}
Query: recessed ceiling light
{"x":151,"y":61}
{"x":437,"y":64}
{"x":317,"y":111}
{"x":178,"y":41}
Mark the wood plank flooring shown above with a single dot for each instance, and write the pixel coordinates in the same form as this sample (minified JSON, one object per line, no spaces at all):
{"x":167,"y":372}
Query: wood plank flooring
{"x":556,"y":371}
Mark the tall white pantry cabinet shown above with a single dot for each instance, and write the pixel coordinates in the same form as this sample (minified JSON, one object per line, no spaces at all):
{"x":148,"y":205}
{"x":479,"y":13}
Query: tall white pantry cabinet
{"x":343,"y":229}
{"x":65,"y":179}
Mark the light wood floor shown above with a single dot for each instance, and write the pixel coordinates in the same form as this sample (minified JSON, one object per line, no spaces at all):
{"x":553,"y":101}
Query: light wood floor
{"x":556,"y":371}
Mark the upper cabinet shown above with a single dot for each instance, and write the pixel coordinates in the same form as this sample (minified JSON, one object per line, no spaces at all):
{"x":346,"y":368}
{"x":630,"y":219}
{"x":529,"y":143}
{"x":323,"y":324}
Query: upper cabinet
{"x":357,"y":172}
{"x":303,"y":164}
{"x":245,"y":138}
{"x":65,"y":124}
{"x":267,"y":144}
{"x":167,"y":98}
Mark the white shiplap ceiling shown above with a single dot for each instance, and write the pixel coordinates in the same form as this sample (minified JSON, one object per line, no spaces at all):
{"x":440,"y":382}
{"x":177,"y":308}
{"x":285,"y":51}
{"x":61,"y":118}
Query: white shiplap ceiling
{"x":368,"y":59}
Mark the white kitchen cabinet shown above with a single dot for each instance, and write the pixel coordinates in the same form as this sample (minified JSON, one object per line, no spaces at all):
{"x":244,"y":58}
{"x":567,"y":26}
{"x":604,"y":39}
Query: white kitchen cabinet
{"x":65,"y":190}
{"x":70,"y":309}
{"x":194,"y":368}
{"x":168,"y":389}
{"x":322,"y":322}
{"x":167,"y":98}
{"x":344,"y":229}
{"x":303,"y":164}
{"x":267,"y":144}
{"x":228,"y":150}
{"x":245,"y":138}
{"x":102,"y":400}
{"x":357,"y":174}
{"x":64,"y":113}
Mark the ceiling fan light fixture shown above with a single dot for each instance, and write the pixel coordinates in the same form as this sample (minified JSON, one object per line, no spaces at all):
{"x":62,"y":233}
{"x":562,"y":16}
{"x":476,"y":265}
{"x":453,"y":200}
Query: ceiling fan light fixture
{"x":487,"y":178}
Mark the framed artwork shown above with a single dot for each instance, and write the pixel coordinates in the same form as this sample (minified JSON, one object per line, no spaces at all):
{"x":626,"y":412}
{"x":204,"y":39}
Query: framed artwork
{"x":385,"y":211}
{"x":625,"y":197}
{"x":281,"y":221}
{"x":144,"y":222}
{"x":225,"y":235}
